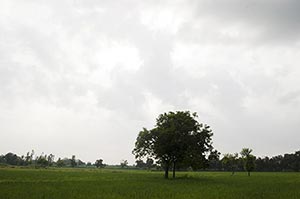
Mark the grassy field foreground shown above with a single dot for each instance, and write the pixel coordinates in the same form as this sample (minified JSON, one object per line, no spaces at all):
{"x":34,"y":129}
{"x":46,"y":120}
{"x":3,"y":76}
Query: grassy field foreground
{"x":93,"y":183}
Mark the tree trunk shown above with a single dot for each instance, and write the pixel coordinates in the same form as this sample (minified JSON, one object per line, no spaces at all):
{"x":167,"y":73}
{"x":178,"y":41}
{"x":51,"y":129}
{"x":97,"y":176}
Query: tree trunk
{"x":174,"y":169}
{"x":166,"y":172}
{"x":248,"y":173}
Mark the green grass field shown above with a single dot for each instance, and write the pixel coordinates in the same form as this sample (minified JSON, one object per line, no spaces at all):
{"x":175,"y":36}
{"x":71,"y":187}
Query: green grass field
{"x":93,"y":183}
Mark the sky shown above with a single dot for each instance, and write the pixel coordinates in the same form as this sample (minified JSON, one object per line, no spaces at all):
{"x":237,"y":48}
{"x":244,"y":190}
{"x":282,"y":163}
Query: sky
{"x":83,"y":77}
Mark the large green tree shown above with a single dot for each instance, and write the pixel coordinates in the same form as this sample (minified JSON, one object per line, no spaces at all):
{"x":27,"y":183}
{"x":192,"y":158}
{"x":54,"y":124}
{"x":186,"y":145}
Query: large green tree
{"x":177,"y":139}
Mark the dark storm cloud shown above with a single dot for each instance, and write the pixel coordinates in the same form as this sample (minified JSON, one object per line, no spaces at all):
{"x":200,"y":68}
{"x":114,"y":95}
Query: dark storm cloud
{"x":271,"y":21}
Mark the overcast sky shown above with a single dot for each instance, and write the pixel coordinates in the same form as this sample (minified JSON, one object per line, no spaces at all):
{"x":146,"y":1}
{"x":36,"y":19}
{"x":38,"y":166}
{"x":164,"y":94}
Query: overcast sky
{"x":84,"y":76}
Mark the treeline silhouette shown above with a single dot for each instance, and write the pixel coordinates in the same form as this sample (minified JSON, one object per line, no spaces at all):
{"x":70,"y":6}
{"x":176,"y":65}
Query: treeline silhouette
{"x":44,"y":160}
{"x":229,"y":162}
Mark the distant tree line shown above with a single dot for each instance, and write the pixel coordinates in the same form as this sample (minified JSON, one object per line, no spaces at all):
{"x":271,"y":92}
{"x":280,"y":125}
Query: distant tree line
{"x":234,"y":162}
{"x":148,"y":164}
{"x":228,"y":162}
{"x":44,"y":161}
{"x":244,"y":161}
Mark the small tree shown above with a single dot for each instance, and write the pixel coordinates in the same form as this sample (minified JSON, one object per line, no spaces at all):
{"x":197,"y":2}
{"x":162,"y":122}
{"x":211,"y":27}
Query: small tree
{"x":248,"y":159}
{"x":42,"y":161}
{"x":73,"y":161}
{"x":124,"y":163}
{"x":60,"y":162}
{"x":12,"y":159}
{"x":50,"y":159}
{"x":99,"y":163}
{"x":230,"y":162}
{"x":29,"y":157}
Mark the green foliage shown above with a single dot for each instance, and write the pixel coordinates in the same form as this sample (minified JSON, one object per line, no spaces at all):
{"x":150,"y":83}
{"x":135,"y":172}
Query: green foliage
{"x":124,"y":163}
{"x":2,"y":159}
{"x":149,"y":163}
{"x":60,"y":162}
{"x":145,"y":165}
{"x":29,"y":158}
{"x":286,"y":162}
{"x":140,"y":164}
{"x":73,"y":161}
{"x":99,"y":163}
{"x":124,"y":184}
{"x":12,"y":159}
{"x":177,"y":140}
{"x":41,"y":161}
{"x":50,"y":159}
{"x":248,"y":159}
{"x":214,"y":160}
{"x":230,"y":162}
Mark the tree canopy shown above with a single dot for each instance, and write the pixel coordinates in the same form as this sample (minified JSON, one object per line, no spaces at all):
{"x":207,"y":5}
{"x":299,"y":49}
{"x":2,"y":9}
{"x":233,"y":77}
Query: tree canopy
{"x":230,"y":162}
{"x":99,"y":163}
{"x":249,"y":160}
{"x":177,"y":139}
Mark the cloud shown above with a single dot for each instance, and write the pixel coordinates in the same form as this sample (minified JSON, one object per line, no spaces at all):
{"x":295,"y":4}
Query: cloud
{"x":240,"y":22}
{"x":88,"y":75}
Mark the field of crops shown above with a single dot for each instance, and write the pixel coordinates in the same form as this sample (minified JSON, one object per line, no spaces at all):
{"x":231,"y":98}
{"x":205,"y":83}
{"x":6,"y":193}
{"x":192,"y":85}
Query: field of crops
{"x":93,"y":183}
